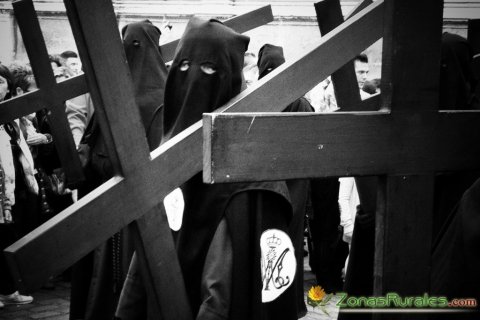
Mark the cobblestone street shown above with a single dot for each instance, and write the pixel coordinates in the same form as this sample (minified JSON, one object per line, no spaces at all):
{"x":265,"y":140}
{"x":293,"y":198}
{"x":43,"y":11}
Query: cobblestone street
{"x":47,"y":304}
{"x":54,"y":304}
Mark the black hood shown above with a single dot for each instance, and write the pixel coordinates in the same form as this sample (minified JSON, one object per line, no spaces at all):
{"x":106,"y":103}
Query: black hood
{"x":205,"y":74}
{"x":149,"y":74}
{"x":269,"y":58}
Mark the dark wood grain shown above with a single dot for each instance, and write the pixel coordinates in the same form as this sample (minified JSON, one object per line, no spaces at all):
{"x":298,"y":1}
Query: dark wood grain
{"x":410,"y":82}
{"x":255,"y":147}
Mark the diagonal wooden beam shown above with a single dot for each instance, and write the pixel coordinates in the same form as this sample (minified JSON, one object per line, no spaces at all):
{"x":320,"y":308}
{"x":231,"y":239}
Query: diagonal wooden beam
{"x":329,"y":16}
{"x":241,"y":24}
{"x":248,"y":147}
{"x":100,"y":214}
{"x":37,"y":54}
{"x":160,"y":266}
{"x":359,"y":7}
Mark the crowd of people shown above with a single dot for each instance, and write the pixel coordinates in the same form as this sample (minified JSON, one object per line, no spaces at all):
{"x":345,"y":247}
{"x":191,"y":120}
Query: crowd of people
{"x":32,"y":184}
{"x":240,"y":245}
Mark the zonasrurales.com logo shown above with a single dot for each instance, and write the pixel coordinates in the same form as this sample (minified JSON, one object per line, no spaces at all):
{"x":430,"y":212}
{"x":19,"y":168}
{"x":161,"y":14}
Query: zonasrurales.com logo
{"x":394,"y":300}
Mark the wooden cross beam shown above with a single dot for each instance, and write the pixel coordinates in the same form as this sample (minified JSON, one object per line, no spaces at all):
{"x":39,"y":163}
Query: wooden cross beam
{"x":51,"y":95}
{"x":247,"y":147}
{"x":405,"y":145}
{"x":80,"y":228}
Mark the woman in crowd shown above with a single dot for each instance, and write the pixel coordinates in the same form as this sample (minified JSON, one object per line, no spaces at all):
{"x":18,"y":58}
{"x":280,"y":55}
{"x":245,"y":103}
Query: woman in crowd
{"x":16,"y":182}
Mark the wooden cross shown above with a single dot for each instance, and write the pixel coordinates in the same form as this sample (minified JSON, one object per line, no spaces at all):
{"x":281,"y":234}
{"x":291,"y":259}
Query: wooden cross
{"x":143,"y":180}
{"x":103,"y":212}
{"x":405,"y":145}
{"x":96,"y":33}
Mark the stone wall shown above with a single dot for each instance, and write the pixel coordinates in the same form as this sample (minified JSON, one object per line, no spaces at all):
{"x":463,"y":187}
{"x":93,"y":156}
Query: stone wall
{"x":294,"y":27}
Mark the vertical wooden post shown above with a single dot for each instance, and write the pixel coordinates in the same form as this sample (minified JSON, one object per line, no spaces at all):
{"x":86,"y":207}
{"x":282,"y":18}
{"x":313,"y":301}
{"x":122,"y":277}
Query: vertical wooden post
{"x":474,"y":35}
{"x":410,"y":80}
{"x":411,"y":54}
{"x":474,"y":39}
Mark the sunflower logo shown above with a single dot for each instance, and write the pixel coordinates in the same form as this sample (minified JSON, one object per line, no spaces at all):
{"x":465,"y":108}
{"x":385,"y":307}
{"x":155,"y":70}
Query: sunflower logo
{"x":317,"y":297}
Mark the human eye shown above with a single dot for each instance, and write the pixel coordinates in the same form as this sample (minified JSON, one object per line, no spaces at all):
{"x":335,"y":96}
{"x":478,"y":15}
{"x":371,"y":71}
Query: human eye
{"x":184,"y":65}
{"x":208,"y":68}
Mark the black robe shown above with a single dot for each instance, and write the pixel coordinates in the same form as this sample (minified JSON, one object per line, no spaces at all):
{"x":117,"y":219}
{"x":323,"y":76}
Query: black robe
{"x":456,"y":254}
{"x":269,"y":58}
{"x":457,"y":77}
{"x":359,"y":277}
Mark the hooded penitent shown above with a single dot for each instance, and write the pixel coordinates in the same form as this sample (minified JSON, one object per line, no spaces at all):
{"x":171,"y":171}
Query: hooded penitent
{"x":205,"y":74}
{"x":149,"y":74}
{"x":218,"y":242}
{"x":269,"y":58}
{"x":457,"y":80}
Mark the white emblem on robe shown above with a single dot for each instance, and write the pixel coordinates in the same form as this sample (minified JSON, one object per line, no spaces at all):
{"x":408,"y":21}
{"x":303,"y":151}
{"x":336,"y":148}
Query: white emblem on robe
{"x":174,"y":206}
{"x":278,"y":263}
